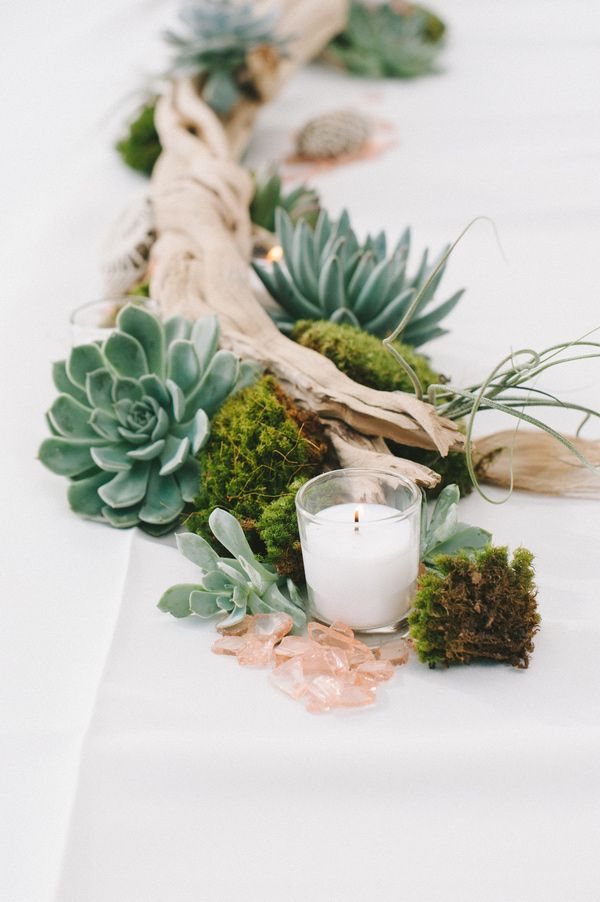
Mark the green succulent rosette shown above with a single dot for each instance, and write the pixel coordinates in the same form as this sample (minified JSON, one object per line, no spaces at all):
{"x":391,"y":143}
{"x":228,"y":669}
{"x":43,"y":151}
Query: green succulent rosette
{"x":132,"y":414}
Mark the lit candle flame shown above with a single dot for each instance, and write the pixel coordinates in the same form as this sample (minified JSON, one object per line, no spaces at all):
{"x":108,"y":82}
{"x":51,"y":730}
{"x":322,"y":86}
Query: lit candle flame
{"x":356,"y":519}
{"x":275,"y":254}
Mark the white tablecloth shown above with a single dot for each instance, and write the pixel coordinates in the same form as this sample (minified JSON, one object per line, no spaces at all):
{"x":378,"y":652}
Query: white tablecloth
{"x":155,"y":770}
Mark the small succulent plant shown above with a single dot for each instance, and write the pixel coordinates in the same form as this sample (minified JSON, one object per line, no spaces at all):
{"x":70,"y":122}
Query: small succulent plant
{"x":333,"y":135}
{"x":301,"y":203}
{"x":216,"y":44}
{"x":328,"y":274}
{"x":388,"y":41}
{"x":234,"y":586}
{"x":442,"y":533}
{"x":132,"y":414}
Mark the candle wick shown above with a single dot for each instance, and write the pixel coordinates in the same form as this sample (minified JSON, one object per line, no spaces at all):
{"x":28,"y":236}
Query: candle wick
{"x":356,"y":518}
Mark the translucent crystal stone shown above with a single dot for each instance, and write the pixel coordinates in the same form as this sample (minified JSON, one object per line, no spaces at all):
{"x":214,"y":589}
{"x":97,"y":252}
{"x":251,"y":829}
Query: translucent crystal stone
{"x":396,"y":651}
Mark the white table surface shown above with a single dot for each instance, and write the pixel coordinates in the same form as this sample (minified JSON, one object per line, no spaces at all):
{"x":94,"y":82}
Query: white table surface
{"x":181,"y":775}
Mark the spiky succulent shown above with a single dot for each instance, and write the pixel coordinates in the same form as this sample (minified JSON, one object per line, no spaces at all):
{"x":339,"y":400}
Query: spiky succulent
{"x":133,"y":412}
{"x":301,"y":203}
{"x":441,"y":533}
{"x":388,"y":42}
{"x":328,"y":274}
{"x":234,"y":586}
{"x":216,"y":44}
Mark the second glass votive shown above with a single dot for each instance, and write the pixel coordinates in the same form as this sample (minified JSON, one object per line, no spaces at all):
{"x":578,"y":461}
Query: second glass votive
{"x":97,"y":319}
{"x":360,"y":534}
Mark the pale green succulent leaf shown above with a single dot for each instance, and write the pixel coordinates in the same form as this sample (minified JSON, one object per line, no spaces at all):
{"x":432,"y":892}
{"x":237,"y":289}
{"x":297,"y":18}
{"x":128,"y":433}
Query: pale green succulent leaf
{"x":176,"y":600}
{"x":266,"y":278}
{"x":177,"y":400}
{"x":126,"y":389}
{"x":249,"y":372}
{"x":162,"y":425}
{"x":64,"y":385}
{"x":236,"y":616}
{"x":104,"y":425}
{"x":163,"y":502}
{"x":183,"y":367}
{"x":204,"y":604}
{"x":292,"y":299}
{"x":464,"y":538}
{"x":83,"y":496}
{"x":153,"y":386}
{"x":174,"y":453}
{"x":146,"y":328}
{"x":205,"y":336}
{"x":126,"y":488}
{"x":177,"y":327}
{"x":331,"y":287}
{"x":230,"y":534}
{"x":239,"y":596}
{"x":135,"y":438}
{"x":147,"y":452}
{"x":83,"y":359}
{"x":217,"y":383}
{"x":216,"y":581}
{"x":389,"y":318}
{"x":124,"y":518}
{"x":112,"y":458}
{"x":345,"y":315}
{"x":197,"y":550}
{"x":422,"y":324}
{"x":188,"y":477}
{"x":416,"y":339}
{"x":66,"y":457}
{"x":98,"y":389}
{"x":231,"y":574}
{"x":70,"y":418}
{"x":125,"y":355}
{"x":122,"y":409}
{"x":322,"y":232}
{"x":372,"y":296}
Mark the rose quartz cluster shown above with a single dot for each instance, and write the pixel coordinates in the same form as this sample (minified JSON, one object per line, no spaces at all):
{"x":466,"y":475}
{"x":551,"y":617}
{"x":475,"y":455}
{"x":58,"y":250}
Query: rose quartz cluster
{"x":329,"y":668}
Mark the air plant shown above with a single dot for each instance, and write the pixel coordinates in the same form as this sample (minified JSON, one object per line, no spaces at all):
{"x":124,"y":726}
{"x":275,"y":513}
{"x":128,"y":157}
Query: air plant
{"x":509,"y":388}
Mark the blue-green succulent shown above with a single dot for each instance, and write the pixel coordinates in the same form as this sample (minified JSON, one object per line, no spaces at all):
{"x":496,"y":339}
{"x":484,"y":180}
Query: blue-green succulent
{"x":441,"y":531}
{"x":233,"y":586}
{"x":132,"y":414}
{"x":327,"y":274}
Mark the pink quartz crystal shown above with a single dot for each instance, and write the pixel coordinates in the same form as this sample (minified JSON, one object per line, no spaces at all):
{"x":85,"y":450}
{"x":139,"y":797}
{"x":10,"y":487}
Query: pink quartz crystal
{"x":329,"y":668}
{"x":238,"y":629}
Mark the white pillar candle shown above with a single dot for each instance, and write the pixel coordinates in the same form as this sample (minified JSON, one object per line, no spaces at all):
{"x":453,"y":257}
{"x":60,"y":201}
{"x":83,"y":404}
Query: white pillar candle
{"x":361,"y":563}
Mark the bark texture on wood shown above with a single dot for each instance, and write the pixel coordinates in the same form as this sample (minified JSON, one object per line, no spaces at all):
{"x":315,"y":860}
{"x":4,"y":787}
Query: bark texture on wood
{"x":200,"y":261}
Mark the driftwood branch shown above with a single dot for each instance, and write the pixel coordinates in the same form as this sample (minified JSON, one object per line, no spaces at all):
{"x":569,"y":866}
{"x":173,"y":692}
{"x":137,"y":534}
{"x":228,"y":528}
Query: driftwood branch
{"x":200,"y":262}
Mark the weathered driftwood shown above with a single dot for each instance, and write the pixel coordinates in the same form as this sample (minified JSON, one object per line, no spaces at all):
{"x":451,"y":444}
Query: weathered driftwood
{"x":539,"y":463}
{"x":200,"y":261}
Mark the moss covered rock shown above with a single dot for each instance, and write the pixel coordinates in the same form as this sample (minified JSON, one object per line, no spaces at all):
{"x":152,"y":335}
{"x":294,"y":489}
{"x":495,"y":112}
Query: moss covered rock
{"x":362,"y":356}
{"x":140,"y":148}
{"x":278,"y":530}
{"x":479,"y":607}
{"x":260,"y":444}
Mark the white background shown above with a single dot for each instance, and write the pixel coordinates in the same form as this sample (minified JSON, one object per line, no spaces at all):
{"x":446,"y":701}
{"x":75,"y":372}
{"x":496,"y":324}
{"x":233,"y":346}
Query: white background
{"x":497,"y":772}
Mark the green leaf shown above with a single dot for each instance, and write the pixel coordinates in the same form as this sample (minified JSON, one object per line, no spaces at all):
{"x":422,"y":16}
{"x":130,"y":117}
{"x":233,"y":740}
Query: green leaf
{"x":64,"y":385}
{"x":147,"y":330}
{"x":188,"y":477}
{"x":64,"y":456}
{"x":204,"y":604}
{"x":177,"y":327}
{"x":464,"y":537}
{"x":124,"y":518}
{"x":176,"y":600}
{"x":175,"y":452}
{"x":71,"y":418}
{"x":217,"y":384}
{"x":127,"y":489}
{"x":163,"y":502}
{"x":83,"y":359}
{"x":332,"y":292}
{"x":112,"y":458}
{"x":183,"y":367}
{"x":98,"y":388}
{"x":177,"y":400}
{"x":125,"y":355}
{"x":152,"y":386}
{"x":162,"y":425}
{"x":197,"y":550}
{"x":147,"y":452}
{"x":104,"y":425}
{"x":205,"y":336}
{"x":236,"y":616}
{"x":83,"y":496}
{"x":127,"y":390}
{"x":230,"y":534}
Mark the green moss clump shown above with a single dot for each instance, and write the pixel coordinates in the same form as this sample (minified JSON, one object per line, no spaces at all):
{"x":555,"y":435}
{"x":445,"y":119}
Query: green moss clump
{"x":362,"y":356}
{"x":142,"y":290}
{"x":278,"y":529}
{"x":479,"y":607}
{"x":140,"y":148}
{"x":260,"y":444}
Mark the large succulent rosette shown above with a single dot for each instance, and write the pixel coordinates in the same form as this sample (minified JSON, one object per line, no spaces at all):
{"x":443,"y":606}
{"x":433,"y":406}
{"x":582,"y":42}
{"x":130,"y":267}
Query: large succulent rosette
{"x":132,"y":414}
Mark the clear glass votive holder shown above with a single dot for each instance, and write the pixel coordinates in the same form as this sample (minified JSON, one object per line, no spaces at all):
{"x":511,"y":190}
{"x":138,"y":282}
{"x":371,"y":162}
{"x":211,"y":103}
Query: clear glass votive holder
{"x":96,"y":320}
{"x":360,"y":535}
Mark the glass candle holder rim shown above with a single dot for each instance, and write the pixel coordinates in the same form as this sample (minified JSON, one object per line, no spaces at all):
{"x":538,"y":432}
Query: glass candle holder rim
{"x":405,"y":481}
{"x":123,"y":299}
